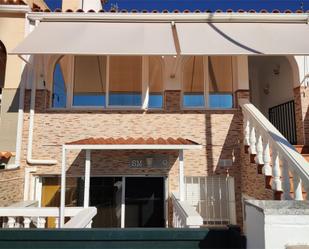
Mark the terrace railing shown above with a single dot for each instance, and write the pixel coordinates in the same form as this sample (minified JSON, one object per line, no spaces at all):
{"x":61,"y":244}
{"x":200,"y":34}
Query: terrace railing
{"x":34,"y":217}
{"x":185,"y":215}
{"x":280,"y":161}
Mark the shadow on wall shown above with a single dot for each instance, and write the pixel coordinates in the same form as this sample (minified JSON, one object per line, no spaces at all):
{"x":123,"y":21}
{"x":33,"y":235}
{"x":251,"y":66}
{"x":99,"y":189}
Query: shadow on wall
{"x":117,"y":163}
{"x":225,"y":159}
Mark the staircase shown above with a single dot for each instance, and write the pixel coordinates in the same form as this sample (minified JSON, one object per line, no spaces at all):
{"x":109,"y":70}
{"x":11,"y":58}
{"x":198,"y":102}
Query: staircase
{"x":286,"y":171}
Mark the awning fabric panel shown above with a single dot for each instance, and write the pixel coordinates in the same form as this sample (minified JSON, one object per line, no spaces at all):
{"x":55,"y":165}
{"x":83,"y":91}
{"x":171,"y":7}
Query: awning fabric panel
{"x":99,"y":38}
{"x":243,"y":38}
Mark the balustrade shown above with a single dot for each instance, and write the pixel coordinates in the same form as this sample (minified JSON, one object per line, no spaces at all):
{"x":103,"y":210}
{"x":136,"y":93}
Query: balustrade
{"x":279,"y":158}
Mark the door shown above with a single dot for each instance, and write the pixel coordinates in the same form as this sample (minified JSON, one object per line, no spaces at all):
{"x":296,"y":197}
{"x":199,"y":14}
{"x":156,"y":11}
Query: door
{"x":144,"y":202}
{"x":105,"y":195}
{"x":283,"y":118}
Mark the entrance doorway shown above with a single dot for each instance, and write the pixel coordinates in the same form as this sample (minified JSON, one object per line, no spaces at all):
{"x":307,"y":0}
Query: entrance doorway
{"x":121,"y":201}
{"x":128,"y":201}
{"x":144,"y":202}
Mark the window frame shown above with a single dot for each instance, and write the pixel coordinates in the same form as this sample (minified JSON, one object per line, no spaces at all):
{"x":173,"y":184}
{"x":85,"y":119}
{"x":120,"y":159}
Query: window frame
{"x":206,"y":88}
{"x":145,"y":89}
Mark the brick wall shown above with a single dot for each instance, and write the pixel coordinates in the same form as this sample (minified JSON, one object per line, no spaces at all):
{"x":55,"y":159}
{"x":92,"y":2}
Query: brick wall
{"x":11,"y":186}
{"x":218,"y":131}
{"x":301,"y":97}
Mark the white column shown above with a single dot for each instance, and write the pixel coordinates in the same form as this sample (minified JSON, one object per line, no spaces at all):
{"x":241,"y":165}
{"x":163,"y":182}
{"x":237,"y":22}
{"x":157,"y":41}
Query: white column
{"x":145,"y":83}
{"x":298,"y":193}
{"x":123,"y":199}
{"x":87,"y":178}
{"x":181,"y":177}
{"x":62,"y":194}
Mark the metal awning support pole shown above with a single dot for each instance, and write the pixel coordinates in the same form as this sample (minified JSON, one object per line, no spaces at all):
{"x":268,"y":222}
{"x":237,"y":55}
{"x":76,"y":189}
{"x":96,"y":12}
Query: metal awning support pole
{"x":181,"y":177}
{"x":87,"y":178}
{"x":62,"y":194}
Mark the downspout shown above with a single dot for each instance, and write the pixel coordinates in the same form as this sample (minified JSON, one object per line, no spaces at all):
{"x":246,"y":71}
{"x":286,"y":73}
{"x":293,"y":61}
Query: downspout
{"x":30,"y":160}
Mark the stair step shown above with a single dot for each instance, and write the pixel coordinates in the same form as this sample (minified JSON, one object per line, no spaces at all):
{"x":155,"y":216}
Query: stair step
{"x":303,"y":149}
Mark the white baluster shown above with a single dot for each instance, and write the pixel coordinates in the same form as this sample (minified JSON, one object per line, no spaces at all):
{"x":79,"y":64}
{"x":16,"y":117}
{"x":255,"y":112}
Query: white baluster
{"x":298,"y":192}
{"x":276,"y":183}
{"x":11,"y":222}
{"x":267,"y":170}
{"x":286,"y":180}
{"x":57,"y":222}
{"x":41,"y":222}
{"x":27,"y":221}
{"x":252,"y":141}
{"x":259,"y":149}
{"x":246,"y":131}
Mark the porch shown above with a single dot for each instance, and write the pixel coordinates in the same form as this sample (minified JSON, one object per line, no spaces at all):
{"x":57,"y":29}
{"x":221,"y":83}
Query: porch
{"x":167,"y":88}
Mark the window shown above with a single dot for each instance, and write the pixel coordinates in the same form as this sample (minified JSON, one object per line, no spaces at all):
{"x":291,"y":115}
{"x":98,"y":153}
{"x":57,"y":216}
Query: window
{"x":220,"y":72}
{"x":108,"y":82}
{"x":89,"y":81}
{"x":216,"y":91}
{"x":193,"y":82}
{"x":125,"y":81}
{"x":61,"y":80}
{"x":155,"y":83}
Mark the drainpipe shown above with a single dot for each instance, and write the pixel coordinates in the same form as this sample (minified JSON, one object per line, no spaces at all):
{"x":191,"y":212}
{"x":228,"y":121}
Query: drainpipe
{"x":20,"y":122}
{"x":30,"y":160}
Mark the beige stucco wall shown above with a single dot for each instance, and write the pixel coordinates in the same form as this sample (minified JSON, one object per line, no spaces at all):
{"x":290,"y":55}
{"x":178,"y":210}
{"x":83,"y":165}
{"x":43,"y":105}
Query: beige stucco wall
{"x":12,"y":31}
{"x":71,"y":4}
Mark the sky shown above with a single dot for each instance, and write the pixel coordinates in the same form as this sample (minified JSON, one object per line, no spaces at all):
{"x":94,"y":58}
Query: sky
{"x":192,"y":5}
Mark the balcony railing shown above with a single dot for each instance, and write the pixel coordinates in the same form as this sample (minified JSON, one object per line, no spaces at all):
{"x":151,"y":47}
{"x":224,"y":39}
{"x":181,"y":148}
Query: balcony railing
{"x":281,"y":162}
{"x":34,"y":217}
{"x":185,"y":215}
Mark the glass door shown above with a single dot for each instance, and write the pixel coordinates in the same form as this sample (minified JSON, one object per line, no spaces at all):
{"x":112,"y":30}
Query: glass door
{"x":105,"y":195}
{"x":144,"y":202}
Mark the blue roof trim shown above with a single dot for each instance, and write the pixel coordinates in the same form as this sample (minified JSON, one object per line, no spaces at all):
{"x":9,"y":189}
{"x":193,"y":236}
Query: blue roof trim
{"x":211,"y":5}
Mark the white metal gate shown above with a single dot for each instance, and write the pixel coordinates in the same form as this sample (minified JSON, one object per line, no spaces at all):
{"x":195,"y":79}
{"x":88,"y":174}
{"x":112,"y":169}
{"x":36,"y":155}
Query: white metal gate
{"x":213,"y":197}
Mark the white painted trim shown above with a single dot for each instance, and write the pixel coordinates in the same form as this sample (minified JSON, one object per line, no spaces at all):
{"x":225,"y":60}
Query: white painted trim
{"x":181,"y":177}
{"x":34,"y":77}
{"x":132,"y":147}
{"x":14,"y":8}
{"x":62,"y":193}
{"x":87,"y":178}
{"x":107,"y":82}
{"x":206,"y":81}
{"x":123,"y":202}
{"x":82,"y":219}
{"x":166,"y":195}
{"x":173,"y":17}
{"x":145,"y":82}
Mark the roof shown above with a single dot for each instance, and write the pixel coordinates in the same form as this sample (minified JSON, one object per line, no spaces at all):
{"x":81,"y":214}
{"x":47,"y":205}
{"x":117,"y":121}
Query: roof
{"x":287,"y":11}
{"x":130,"y":140}
{"x":12,"y":2}
{"x":5,"y":154}
{"x":133,"y":143}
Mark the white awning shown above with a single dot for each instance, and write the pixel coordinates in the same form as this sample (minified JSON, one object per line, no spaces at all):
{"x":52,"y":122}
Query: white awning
{"x":243,"y":38}
{"x":98,"y":38}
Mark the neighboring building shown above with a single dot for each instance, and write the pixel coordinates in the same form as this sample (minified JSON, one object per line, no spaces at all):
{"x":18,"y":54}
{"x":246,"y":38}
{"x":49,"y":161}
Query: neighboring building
{"x":146,"y":116}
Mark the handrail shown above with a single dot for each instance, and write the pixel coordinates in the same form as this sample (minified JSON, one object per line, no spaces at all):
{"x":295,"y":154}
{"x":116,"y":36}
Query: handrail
{"x":256,"y":127}
{"x":184,"y":215}
{"x":37,"y":212}
{"x":82,"y":219}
